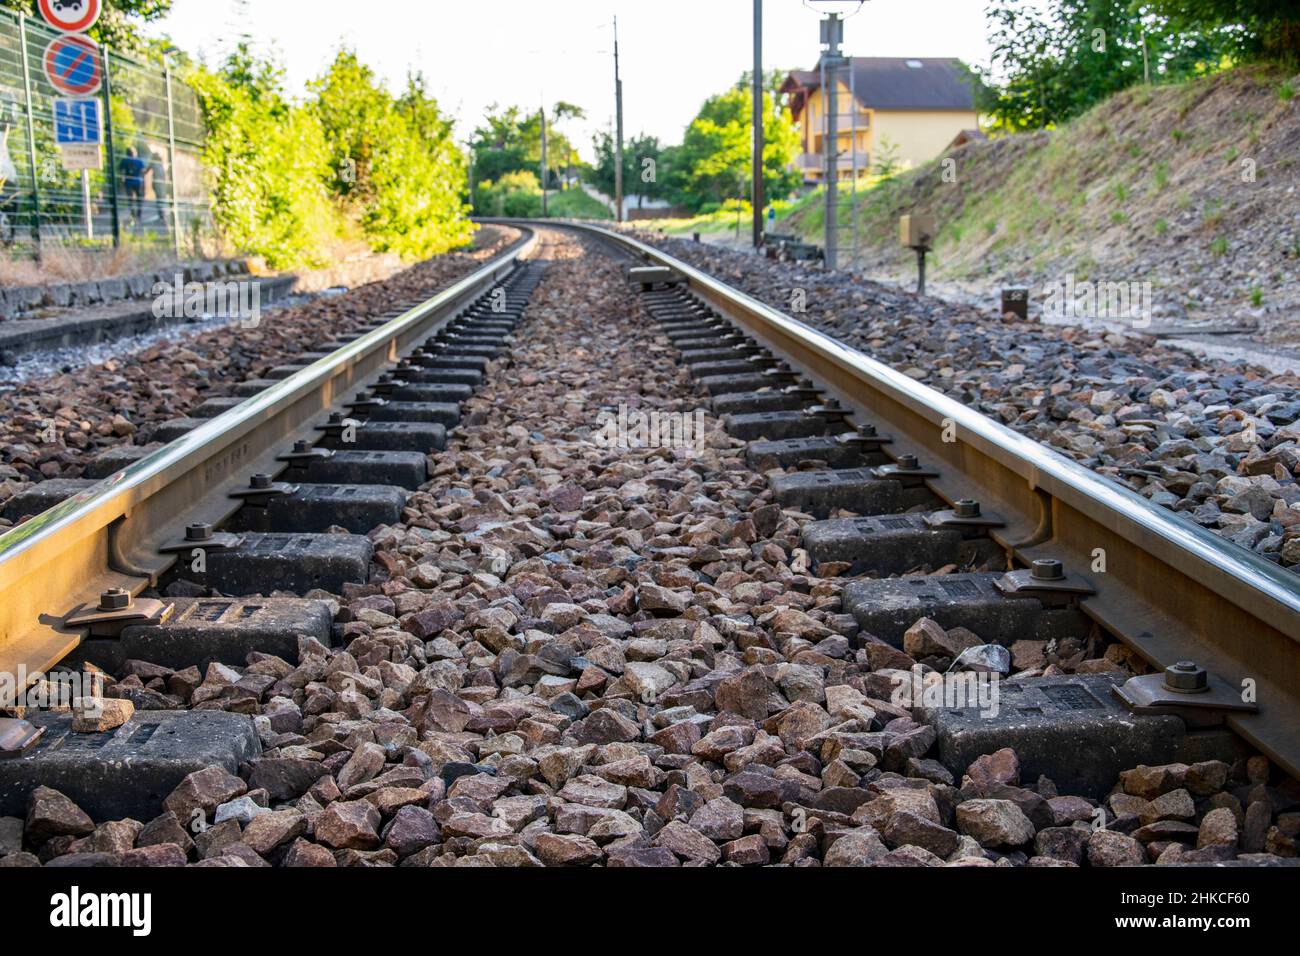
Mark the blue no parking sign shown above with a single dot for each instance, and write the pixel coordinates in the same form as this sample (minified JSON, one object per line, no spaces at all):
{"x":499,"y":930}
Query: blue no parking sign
{"x":72,"y":65}
{"x":76,"y":123}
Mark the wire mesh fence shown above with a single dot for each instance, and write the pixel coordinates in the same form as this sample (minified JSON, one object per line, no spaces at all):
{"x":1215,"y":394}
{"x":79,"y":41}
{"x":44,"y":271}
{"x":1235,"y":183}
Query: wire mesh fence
{"x":149,"y":190}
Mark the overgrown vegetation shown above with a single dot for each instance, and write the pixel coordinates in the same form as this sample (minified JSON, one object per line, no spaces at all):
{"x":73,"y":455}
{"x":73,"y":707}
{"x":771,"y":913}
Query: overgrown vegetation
{"x":1111,"y":191}
{"x":507,"y":163}
{"x":712,"y":165}
{"x":708,"y":170}
{"x":1052,"y":63}
{"x":351,"y":163}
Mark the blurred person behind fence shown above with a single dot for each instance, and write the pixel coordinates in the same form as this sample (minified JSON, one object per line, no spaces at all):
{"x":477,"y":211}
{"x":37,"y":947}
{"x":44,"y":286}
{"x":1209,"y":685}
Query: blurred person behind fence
{"x":132,"y":168}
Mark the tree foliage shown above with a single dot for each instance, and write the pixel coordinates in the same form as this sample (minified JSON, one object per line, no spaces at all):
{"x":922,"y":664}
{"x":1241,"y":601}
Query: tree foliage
{"x":393,"y":161}
{"x":647,"y":167}
{"x":288,"y":179}
{"x":268,"y":164}
{"x":1052,"y":62}
{"x":1256,"y":29}
{"x":509,"y":140}
{"x":713,"y":163}
{"x":516,"y":194}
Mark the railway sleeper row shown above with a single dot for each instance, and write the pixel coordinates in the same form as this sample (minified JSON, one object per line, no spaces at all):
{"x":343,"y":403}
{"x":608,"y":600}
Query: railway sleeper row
{"x":300,"y":531}
{"x":1073,"y":729}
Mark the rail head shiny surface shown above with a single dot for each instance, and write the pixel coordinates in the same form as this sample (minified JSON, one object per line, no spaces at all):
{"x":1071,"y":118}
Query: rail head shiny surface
{"x":1228,"y":569}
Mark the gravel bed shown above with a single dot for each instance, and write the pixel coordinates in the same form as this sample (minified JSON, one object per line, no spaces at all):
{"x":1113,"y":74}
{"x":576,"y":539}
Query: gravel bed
{"x":52,"y":425}
{"x":1214,"y":441}
{"x":573,"y":655}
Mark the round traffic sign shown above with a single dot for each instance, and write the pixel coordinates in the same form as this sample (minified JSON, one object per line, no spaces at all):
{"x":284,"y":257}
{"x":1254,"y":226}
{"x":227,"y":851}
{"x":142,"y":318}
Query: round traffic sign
{"x":70,"y":16}
{"x":72,"y":65}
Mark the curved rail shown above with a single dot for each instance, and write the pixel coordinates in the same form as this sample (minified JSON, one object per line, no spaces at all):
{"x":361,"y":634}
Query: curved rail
{"x":1168,"y":588}
{"x":109,"y":535}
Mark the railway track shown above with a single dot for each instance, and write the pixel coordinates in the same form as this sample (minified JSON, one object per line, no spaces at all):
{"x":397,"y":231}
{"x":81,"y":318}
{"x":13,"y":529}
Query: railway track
{"x":1166,"y":588}
{"x":897,"y":526}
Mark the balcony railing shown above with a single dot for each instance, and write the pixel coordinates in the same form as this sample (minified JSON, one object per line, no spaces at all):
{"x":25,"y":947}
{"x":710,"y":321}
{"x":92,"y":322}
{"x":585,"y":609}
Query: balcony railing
{"x":812,"y":162}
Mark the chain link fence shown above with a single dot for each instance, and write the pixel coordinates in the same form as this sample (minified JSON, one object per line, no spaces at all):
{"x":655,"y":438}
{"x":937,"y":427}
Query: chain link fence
{"x":147,"y":114}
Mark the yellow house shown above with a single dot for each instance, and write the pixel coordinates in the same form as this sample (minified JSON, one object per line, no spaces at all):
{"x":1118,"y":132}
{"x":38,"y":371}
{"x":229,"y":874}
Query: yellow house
{"x":908,"y":109}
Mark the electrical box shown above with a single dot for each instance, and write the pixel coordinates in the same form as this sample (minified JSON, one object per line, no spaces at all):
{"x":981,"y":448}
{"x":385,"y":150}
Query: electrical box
{"x":916,"y":232}
{"x":650,"y":276}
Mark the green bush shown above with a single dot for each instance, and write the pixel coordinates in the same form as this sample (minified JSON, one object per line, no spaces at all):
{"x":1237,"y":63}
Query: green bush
{"x":289,"y":180}
{"x":576,"y":204}
{"x":267,"y":162}
{"x":516,"y":195}
{"x":393,"y":160}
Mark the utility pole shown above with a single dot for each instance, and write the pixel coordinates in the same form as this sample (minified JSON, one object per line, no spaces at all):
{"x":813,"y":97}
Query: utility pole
{"x":832,"y":38}
{"x":618,"y":123}
{"x":758,"y":197}
{"x":544,"y":176}
{"x":470,"y":150}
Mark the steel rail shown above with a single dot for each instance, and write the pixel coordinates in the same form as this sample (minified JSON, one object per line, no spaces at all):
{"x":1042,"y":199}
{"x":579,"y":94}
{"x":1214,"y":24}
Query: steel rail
{"x":1166,"y":587}
{"x":109,"y":535}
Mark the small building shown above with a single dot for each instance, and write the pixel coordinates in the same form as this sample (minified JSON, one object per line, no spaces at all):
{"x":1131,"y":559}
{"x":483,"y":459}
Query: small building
{"x":964,"y":137}
{"x":908,"y":109}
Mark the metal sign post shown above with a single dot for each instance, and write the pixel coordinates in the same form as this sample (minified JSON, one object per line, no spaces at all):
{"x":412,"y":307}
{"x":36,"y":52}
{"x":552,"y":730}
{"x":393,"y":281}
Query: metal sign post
{"x":85,"y":204}
{"x":757,"y":188}
{"x":171,"y":162}
{"x":31,"y":133}
{"x":112,"y":155}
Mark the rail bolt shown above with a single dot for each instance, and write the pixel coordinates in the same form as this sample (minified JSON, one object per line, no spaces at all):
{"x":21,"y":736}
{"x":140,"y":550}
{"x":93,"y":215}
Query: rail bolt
{"x":301,"y":447}
{"x":1048,"y":569}
{"x":336,"y":418}
{"x":260,"y":482}
{"x":115,"y":599}
{"x":967,"y":508}
{"x":909,"y":462}
{"x":1186,"y":677}
{"x":198,"y":532}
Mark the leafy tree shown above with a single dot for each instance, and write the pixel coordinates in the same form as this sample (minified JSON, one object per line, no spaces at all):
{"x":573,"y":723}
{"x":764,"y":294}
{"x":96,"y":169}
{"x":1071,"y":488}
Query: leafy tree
{"x":510,"y":140}
{"x":288,"y":180}
{"x":561,"y":155}
{"x":1256,"y":29}
{"x":516,"y":195}
{"x":602,"y":173}
{"x":393,"y":161}
{"x":647,"y":167}
{"x":268,"y":163}
{"x":713,"y":163}
{"x":1050,"y":65}
{"x":652,"y":166}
